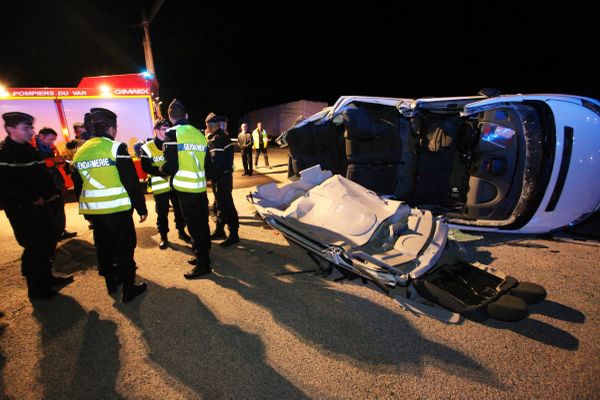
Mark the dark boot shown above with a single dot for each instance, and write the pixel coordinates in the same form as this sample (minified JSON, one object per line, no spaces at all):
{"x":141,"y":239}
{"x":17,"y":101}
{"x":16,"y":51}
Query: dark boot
{"x":184,"y":236}
{"x":164,"y":241}
{"x":37,"y":289}
{"x":112,"y":283}
{"x":198,"y":272}
{"x":131,"y":290}
{"x":219,"y":233}
{"x":54,"y":280}
{"x":232,"y":239}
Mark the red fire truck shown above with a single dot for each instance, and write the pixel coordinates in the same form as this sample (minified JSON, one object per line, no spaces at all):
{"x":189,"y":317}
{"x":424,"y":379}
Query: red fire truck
{"x":131,"y":96}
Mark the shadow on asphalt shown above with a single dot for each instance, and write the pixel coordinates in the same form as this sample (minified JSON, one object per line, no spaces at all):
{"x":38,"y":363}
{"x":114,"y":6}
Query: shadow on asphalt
{"x":365,"y":334}
{"x":543,"y":332}
{"x":75,"y":255}
{"x":467,"y":248}
{"x":81,"y":351}
{"x":559,"y":311}
{"x":148,"y":238}
{"x":539,"y":331}
{"x":211,"y":358}
{"x":257,"y":178}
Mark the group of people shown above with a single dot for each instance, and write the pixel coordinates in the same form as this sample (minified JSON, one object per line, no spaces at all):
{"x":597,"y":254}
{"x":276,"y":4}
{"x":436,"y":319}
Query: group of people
{"x":180,"y":159}
{"x":257,"y":140}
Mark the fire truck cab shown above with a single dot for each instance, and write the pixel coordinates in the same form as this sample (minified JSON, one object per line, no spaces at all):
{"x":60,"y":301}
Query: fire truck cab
{"x":131,"y":96}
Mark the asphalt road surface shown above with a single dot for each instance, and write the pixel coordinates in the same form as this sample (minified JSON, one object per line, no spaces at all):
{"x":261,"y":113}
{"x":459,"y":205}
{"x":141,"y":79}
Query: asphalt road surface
{"x":245,"y":333}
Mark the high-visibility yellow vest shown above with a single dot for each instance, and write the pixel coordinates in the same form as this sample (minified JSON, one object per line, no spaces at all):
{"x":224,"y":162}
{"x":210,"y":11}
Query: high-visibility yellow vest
{"x":157,"y":183}
{"x":256,"y":136}
{"x":191,"y":150}
{"x":102,"y":191}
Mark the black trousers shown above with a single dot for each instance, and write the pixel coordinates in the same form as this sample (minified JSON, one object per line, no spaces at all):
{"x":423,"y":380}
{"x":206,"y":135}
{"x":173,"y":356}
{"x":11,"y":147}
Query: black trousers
{"x":58,"y":214}
{"x":247,"y":160}
{"x":262,"y":150}
{"x":194,"y":207}
{"x":34,"y":230}
{"x":226,"y":212}
{"x":115,"y":241}
{"x":161,"y":206}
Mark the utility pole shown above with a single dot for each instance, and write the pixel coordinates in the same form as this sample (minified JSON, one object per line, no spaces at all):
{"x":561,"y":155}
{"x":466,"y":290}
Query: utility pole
{"x":146,"y":20}
{"x":148,"y":48}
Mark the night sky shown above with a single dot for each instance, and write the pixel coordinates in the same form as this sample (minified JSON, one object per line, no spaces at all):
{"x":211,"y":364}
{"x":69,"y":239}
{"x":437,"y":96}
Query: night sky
{"x":232,"y":58}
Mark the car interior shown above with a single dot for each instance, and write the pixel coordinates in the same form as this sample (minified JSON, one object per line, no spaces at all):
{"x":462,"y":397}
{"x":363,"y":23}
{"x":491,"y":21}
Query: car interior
{"x":476,"y":170}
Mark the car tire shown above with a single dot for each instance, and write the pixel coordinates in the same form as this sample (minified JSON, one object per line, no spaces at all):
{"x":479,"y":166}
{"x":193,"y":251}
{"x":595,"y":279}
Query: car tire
{"x":508,"y":308}
{"x":530,"y":292}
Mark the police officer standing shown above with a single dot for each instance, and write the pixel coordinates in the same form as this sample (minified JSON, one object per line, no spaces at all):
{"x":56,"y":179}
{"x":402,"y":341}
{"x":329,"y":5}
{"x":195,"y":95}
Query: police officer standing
{"x":107,"y":186}
{"x":26,"y":191}
{"x":221,"y":176}
{"x":185,"y":150}
{"x":153,"y":158}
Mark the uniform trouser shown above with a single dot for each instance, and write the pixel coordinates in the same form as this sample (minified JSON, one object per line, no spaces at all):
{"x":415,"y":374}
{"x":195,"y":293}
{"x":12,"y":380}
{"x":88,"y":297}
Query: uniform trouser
{"x":161,"y":206}
{"x":194,"y":207}
{"x":247,"y":160}
{"x":115,"y":241}
{"x":226,"y":213}
{"x":257,"y":152}
{"x":34,"y":230}
{"x":58,"y":214}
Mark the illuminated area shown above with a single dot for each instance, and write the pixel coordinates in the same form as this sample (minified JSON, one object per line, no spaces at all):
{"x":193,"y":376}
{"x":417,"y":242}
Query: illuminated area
{"x":105,"y":90}
{"x":3,"y":91}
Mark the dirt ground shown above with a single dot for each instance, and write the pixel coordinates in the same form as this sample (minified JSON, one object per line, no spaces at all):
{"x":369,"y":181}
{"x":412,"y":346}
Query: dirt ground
{"x":245,"y":333}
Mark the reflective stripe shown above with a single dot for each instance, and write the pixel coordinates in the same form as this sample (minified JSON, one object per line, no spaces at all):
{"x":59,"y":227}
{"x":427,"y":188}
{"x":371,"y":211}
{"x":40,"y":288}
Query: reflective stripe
{"x":189,"y":185}
{"x":115,"y":148}
{"x":103,"y":205}
{"x":160,"y":186}
{"x":146,"y":150}
{"x":92,"y":181}
{"x":190,"y":174}
{"x":191,"y":153}
{"x":123,"y":156}
{"x":103,"y":192}
{"x":190,"y":147}
{"x":29,"y":164}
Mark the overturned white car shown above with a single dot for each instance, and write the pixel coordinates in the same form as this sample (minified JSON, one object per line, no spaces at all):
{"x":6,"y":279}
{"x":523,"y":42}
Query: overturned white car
{"x":397,"y":247}
{"x":520,"y":163}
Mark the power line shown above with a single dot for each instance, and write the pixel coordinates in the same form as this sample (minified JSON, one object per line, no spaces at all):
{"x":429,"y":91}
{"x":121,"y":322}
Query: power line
{"x":157,"y":5}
